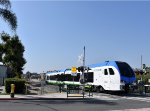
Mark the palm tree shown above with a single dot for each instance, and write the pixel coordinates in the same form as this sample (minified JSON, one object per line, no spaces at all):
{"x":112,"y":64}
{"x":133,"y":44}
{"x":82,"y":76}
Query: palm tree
{"x":7,"y":14}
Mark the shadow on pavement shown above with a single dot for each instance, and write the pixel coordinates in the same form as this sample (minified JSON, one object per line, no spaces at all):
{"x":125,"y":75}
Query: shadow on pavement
{"x":67,"y":101}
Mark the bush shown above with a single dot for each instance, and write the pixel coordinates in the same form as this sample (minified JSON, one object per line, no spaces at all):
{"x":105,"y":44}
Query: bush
{"x":19,"y":85}
{"x":146,"y":78}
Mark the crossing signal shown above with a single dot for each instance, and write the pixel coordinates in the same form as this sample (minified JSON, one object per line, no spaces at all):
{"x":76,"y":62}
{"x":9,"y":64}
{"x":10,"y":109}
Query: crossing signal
{"x":141,"y":72}
{"x":81,"y":69}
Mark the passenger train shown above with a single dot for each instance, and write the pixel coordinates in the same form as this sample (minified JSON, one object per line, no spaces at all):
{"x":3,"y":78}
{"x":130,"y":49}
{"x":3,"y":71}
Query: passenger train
{"x":109,"y":75}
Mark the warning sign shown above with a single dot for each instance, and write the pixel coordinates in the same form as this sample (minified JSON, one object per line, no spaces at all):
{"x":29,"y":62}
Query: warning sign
{"x":74,"y":70}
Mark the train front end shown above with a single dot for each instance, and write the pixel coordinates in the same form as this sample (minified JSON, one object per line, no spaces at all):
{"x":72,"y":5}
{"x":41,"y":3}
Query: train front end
{"x":127,"y":75}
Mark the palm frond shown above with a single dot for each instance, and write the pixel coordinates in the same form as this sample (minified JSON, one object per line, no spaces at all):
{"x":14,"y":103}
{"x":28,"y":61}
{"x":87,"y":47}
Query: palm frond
{"x":5,"y":3}
{"x":4,"y":37}
{"x":10,"y":17}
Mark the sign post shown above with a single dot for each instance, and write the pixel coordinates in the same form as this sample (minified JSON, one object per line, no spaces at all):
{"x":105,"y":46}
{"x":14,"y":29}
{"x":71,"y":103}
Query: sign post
{"x":74,"y":72}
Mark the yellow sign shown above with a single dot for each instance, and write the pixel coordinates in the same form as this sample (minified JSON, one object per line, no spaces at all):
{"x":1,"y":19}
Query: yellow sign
{"x":74,"y":69}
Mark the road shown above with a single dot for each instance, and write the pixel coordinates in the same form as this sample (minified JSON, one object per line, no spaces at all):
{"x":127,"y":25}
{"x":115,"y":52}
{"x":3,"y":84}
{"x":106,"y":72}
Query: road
{"x":102,"y":102}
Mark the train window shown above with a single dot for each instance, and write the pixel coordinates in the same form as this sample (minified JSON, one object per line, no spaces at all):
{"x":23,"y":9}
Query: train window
{"x":125,"y":69}
{"x":111,"y":71}
{"x":105,"y":72}
{"x":58,"y":77}
{"x":77,"y":77}
{"x":52,"y":77}
{"x":88,"y":76}
{"x":48,"y":77}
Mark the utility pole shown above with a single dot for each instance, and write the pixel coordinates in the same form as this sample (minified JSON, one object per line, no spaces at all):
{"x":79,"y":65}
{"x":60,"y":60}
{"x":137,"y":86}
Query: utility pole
{"x":141,"y":62}
{"x":83,"y":72}
{"x":141,"y":82}
{"x":83,"y":64}
{"x":141,"y":67}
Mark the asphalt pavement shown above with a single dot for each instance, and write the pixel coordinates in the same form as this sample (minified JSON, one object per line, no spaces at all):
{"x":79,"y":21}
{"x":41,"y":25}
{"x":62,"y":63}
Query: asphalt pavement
{"x":99,"y":102}
{"x":56,"y":101}
{"x":53,"y":100}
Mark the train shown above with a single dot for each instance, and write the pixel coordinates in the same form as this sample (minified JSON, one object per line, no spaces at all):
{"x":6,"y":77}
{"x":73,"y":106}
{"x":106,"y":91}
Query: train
{"x":106,"y":76}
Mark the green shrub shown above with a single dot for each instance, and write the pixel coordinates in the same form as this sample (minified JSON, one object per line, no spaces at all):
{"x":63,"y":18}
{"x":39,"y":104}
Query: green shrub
{"x":19,"y":85}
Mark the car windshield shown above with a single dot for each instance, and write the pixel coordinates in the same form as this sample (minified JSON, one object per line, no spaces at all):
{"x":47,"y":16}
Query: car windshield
{"x":125,"y":69}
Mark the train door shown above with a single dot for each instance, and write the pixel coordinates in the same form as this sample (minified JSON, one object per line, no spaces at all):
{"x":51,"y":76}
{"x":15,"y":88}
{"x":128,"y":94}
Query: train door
{"x":96,"y":78}
{"x":114,"y":79}
{"x":106,"y":79}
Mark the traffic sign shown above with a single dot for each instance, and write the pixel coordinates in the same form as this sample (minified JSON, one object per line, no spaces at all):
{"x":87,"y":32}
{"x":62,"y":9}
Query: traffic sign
{"x":74,"y":70}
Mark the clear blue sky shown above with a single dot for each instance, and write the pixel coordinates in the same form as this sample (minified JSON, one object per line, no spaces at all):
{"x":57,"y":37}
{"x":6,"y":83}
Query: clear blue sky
{"x":54,"y":33}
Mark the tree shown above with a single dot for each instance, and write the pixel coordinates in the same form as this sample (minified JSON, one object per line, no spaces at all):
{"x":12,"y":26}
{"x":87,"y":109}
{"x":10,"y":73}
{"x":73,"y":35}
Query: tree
{"x":7,"y":14}
{"x":12,"y":51}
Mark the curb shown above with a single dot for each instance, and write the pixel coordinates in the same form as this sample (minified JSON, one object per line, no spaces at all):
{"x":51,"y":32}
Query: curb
{"x":44,"y":98}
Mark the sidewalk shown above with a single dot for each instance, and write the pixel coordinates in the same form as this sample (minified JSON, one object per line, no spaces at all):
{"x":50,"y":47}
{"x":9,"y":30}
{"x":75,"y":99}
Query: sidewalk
{"x":36,"y":95}
{"x":50,"y":96}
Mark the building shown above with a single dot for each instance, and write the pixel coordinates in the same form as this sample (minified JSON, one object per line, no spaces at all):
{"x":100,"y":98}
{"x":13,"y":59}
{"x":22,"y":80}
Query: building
{"x":3,"y":74}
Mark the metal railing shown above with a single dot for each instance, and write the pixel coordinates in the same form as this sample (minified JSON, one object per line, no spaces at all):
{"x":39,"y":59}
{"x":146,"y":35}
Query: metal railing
{"x":79,"y":91}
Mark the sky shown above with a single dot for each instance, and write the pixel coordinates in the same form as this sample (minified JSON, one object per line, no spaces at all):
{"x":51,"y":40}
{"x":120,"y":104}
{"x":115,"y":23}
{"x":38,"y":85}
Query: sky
{"x":55,"y":32}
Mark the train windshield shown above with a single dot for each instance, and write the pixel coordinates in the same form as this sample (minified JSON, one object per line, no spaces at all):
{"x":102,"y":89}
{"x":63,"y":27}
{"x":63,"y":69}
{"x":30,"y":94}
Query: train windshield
{"x":125,"y":69}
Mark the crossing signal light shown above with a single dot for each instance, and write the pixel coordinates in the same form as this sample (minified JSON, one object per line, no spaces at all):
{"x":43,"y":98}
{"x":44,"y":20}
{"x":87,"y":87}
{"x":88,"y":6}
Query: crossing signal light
{"x":80,"y":69}
{"x":141,"y":72}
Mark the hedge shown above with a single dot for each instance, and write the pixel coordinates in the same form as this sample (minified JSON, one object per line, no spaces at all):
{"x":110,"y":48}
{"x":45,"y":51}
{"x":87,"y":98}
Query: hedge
{"x":19,"y":85}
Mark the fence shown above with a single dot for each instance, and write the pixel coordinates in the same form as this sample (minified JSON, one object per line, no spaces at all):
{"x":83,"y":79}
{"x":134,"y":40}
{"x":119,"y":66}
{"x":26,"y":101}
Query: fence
{"x":79,"y":91}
